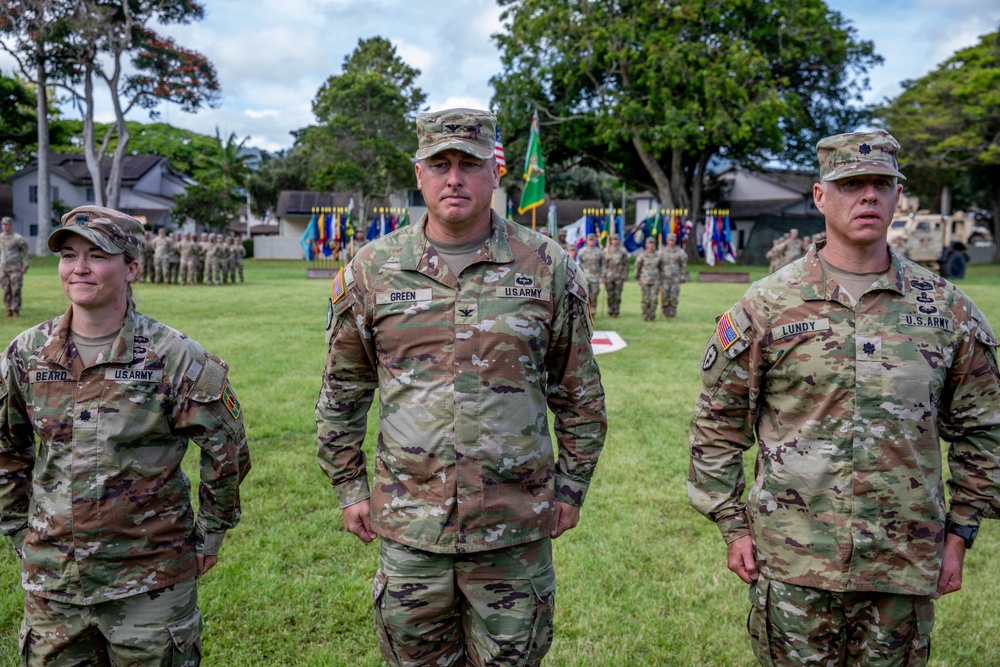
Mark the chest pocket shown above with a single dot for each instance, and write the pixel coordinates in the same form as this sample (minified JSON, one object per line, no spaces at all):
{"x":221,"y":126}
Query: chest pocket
{"x":134,"y":402}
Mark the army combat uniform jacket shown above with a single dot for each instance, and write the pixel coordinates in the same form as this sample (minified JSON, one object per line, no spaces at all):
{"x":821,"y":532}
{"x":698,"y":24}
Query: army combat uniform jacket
{"x":846,"y":402}
{"x":102,"y":506}
{"x":465,"y":367}
{"x":14,"y":254}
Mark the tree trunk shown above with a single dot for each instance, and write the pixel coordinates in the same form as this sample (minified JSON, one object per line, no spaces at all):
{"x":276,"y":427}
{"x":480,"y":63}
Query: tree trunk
{"x":697,"y":183}
{"x":44,"y":175}
{"x":663,"y":190}
{"x":90,"y":150}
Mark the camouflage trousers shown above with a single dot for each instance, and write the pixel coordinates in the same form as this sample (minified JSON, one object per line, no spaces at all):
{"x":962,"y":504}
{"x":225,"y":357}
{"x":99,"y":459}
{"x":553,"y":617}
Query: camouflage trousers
{"x":161,"y":628}
{"x":173,"y":276}
{"x":593,"y":291}
{"x":482,"y":609}
{"x":792,"y":626}
{"x":614,"y":288}
{"x":189,"y":271}
{"x":12,"y":283}
{"x":670,"y":293}
{"x":213,"y":272}
{"x":162,"y":265}
{"x":650,"y":294}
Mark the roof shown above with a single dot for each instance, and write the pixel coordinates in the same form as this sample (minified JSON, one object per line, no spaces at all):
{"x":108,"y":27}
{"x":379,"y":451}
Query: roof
{"x":73,"y":167}
{"x":743,"y":210}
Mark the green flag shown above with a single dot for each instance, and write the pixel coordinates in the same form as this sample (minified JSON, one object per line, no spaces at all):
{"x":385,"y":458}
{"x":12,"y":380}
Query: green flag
{"x":533,"y":194}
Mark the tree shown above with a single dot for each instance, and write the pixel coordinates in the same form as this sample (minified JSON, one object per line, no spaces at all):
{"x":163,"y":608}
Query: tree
{"x":948,"y":124}
{"x":365,"y":136}
{"x":286,"y":170}
{"x":31,"y":32}
{"x":653,"y":91}
{"x":222,"y":177}
{"x":18,"y":124}
{"x":104,"y":33}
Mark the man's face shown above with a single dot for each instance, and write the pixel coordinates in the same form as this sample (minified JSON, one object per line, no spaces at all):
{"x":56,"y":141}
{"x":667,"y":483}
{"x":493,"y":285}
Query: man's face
{"x":7,"y":228}
{"x":858,"y":209}
{"x":591,"y":242}
{"x":457,"y":187}
{"x":614,"y":243}
{"x":650,"y":245}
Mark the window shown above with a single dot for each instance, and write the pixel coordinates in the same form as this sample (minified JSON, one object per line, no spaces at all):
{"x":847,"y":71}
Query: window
{"x":32,"y":194}
{"x":33,"y":230}
{"x":90,"y":195}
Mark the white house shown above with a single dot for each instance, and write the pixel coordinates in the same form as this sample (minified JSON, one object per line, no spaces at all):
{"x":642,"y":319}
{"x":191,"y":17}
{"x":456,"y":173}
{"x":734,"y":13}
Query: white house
{"x":149,"y":185}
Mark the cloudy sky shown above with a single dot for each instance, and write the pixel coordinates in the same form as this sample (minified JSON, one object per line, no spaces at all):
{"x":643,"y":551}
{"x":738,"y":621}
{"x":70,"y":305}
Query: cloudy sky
{"x":273,"y":55}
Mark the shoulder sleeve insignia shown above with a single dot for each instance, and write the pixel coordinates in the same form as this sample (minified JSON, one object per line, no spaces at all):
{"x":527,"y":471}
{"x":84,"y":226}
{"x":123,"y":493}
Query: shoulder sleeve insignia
{"x":232,"y":403}
{"x":728,"y":334}
{"x":338,"y":288}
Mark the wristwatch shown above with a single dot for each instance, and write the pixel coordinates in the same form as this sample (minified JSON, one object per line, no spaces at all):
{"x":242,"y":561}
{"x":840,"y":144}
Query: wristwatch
{"x":967,"y":533}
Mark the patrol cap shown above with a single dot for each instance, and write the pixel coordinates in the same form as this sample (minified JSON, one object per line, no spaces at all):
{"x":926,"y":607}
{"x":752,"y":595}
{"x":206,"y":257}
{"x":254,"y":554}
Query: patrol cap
{"x":613,"y":237}
{"x":591,"y":236}
{"x":7,"y":220}
{"x":858,"y":154}
{"x":469,"y":130}
{"x":671,"y":236}
{"x":112,"y":231}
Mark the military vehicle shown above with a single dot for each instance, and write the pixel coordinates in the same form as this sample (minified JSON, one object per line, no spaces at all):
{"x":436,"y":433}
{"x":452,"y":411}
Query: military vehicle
{"x":942,"y":243}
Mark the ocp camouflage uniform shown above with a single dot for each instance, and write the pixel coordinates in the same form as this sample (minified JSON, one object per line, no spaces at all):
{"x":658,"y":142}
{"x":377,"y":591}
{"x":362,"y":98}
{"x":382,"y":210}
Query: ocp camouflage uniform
{"x":649,"y":275}
{"x":101,"y":515}
{"x":591,"y":260}
{"x":847,"y":401}
{"x":161,"y":257}
{"x":14,"y":259}
{"x":239,"y":253}
{"x":675,"y":262}
{"x":465,"y":369}
{"x":213,"y":262}
{"x":188,"y":249}
{"x":173,"y":276}
{"x":204,"y":248}
{"x":615,"y":275}
{"x":147,"y":264}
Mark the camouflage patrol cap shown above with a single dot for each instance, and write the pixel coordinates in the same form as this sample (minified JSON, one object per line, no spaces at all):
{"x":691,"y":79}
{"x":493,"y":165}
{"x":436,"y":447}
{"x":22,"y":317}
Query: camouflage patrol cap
{"x":468,"y":130}
{"x":112,"y":231}
{"x":858,"y":154}
{"x":7,"y":220}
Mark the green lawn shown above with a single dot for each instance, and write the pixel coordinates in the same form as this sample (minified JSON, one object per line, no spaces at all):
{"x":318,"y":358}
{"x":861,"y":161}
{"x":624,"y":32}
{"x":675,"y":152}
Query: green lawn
{"x":642,"y":581}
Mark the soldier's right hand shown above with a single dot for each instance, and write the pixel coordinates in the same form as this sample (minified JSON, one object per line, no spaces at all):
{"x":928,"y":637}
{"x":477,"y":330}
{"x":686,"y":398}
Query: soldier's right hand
{"x":741,"y":559}
{"x":358,"y":520}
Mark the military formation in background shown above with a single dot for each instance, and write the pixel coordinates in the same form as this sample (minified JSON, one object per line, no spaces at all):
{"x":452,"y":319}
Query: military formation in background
{"x":14,"y":262}
{"x":183,"y":259}
{"x":789,"y":247}
{"x":615,"y":273}
{"x":591,"y":260}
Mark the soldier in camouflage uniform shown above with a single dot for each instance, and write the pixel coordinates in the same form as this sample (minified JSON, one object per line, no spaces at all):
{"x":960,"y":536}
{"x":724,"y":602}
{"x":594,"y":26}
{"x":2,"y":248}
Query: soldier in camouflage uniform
{"x":100,"y":511}
{"x":675,"y":261}
{"x":649,"y":275}
{"x":213,"y":260}
{"x":591,"y":260}
{"x":161,"y":255}
{"x":239,"y":253}
{"x":188,"y":249}
{"x":845,"y":368}
{"x":14,"y":262}
{"x":469,"y":326}
{"x":615,"y":274}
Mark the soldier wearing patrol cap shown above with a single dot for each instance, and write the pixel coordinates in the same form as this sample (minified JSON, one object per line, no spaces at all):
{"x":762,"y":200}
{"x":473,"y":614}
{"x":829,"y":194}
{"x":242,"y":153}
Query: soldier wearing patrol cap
{"x":845,"y":367}
{"x":100,"y":511}
{"x":675,"y":262}
{"x":591,"y":260}
{"x":470,"y":327}
{"x":615,"y":274}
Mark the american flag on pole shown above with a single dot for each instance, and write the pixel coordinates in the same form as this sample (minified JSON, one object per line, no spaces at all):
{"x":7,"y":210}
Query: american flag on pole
{"x":501,"y":161}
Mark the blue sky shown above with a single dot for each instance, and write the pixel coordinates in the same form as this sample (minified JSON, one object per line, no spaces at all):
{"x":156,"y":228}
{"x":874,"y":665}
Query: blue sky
{"x":273,"y":55}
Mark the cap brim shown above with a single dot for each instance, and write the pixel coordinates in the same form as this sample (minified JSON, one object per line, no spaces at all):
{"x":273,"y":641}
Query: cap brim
{"x":862,"y":170}
{"x":56,"y":238}
{"x":473,"y":149}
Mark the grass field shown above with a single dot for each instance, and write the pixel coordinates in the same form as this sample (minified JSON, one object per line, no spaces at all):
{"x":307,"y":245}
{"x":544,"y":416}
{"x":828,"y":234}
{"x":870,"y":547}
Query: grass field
{"x":642,"y":581}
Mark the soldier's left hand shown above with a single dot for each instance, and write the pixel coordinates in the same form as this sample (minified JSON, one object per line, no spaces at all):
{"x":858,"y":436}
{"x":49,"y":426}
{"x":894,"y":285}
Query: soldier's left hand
{"x":950,"y":579}
{"x":567,"y":516}
{"x":206,"y":563}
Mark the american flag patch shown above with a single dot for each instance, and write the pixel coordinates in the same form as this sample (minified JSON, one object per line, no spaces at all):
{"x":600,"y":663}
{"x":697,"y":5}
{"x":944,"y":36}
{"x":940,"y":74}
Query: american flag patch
{"x":726,"y":331}
{"x":338,"y":286}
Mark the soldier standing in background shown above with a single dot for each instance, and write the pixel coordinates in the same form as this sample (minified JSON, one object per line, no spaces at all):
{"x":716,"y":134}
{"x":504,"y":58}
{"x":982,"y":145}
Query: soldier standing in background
{"x":175,"y":259}
{"x":213,"y":260}
{"x":776,"y":253}
{"x":591,"y":260}
{"x":615,"y":274}
{"x":204,"y":246}
{"x":148,"y":264}
{"x":793,"y":248}
{"x":675,"y":262}
{"x":468,"y":495}
{"x":649,"y":275}
{"x":161,"y":255}
{"x":14,"y":262}
{"x":572,"y":251}
{"x":239,"y":253}
{"x":845,"y":368}
{"x":96,"y":412}
{"x":188,"y":251}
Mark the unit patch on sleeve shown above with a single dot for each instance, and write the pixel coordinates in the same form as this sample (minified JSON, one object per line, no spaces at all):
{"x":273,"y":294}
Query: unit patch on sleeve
{"x":338,"y":288}
{"x":232,"y":403}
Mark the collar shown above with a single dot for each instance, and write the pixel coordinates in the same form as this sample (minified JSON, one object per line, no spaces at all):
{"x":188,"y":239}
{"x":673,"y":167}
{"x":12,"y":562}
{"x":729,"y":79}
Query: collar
{"x":57,"y":348}
{"x":816,"y":285}
{"x":417,"y":253}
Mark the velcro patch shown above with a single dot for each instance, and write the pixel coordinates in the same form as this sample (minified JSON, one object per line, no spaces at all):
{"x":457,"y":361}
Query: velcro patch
{"x":404,"y":296}
{"x":726,"y":332}
{"x":935,"y":321}
{"x":338,"y":289}
{"x":796,"y":328}
{"x":48,"y":376}
{"x":133,"y":375}
{"x":523,"y":292}
{"x":232,"y":403}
